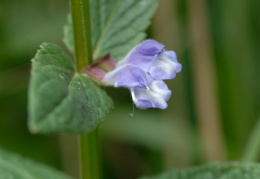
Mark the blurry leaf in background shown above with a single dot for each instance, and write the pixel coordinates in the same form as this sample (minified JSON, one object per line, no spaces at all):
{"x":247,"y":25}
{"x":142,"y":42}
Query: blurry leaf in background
{"x":236,"y":39}
{"x":234,"y":28}
{"x":205,"y":82}
{"x":14,"y":80}
{"x":147,"y":131}
{"x":68,"y":38}
{"x":117,"y":26}
{"x":170,"y":26}
{"x":252,"y":147}
{"x":214,"y":171}
{"x":59,"y":99}
{"x":16,"y":167}
{"x":24,"y":24}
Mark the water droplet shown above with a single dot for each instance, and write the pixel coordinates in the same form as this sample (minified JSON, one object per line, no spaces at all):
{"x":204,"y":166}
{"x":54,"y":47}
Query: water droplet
{"x":133,"y":111}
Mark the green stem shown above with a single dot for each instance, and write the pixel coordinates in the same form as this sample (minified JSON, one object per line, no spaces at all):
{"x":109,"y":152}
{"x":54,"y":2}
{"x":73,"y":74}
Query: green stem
{"x":82,"y":32}
{"x":90,"y":155}
{"x":89,"y":143}
{"x":252,"y":149}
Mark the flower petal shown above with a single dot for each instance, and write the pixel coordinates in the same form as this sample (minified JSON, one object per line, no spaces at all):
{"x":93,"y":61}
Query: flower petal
{"x":143,"y":55}
{"x":165,"y":66}
{"x":155,"y":96}
{"x":150,"y":47}
{"x":159,"y":87}
{"x":126,"y":76}
{"x":142,"y":71}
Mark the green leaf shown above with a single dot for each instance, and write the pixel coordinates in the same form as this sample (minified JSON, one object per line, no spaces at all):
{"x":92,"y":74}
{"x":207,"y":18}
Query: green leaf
{"x":16,"y":167}
{"x":116,"y":26}
{"x":68,"y":38}
{"x":230,"y":170}
{"x":61,"y":100}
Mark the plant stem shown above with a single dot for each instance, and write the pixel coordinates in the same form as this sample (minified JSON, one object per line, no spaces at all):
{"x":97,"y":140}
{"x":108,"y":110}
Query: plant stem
{"x":89,"y":143}
{"x":90,"y":155}
{"x":252,"y":149}
{"x":82,"y":32}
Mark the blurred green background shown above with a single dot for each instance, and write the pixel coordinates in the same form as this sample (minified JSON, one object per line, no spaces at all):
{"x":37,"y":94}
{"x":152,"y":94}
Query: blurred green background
{"x":216,"y":97}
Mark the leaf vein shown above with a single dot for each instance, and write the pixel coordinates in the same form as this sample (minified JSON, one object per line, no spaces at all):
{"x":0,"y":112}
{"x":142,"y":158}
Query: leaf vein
{"x":127,"y":26}
{"x":103,"y":32}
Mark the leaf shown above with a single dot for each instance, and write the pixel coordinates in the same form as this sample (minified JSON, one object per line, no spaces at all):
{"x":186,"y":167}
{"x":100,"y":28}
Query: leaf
{"x":61,"y":100}
{"x":14,"y":166}
{"x":116,"y":26}
{"x":229,"y":170}
{"x":68,"y":38}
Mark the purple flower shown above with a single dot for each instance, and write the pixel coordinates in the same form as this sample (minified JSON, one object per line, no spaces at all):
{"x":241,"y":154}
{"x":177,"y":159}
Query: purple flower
{"x":142,"y":71}
{"x":127,"y":76}
{"x":153,"y":96}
